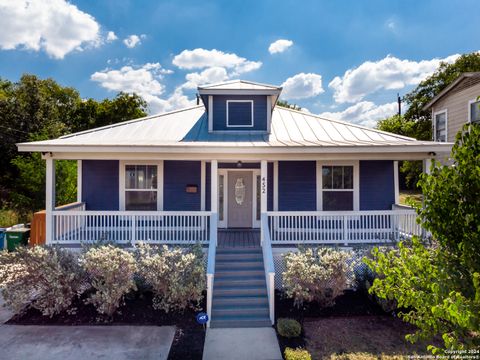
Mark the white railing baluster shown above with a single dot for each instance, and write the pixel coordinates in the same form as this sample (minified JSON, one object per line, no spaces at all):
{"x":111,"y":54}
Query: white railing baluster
{"x":341,"y":227}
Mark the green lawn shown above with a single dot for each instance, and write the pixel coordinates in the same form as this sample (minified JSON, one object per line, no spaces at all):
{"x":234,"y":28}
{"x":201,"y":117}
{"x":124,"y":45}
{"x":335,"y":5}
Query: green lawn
{"x":407,"y":196}
{"x":8,"y":218}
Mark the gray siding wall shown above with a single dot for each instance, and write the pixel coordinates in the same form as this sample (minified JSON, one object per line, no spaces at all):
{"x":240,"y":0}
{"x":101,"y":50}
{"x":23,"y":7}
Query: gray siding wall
{"x":220,"y":112}
{"x":377,"y":191}
{"x":297,"y":189}
{"x":456,"y":104}
{"x":100,"y":184}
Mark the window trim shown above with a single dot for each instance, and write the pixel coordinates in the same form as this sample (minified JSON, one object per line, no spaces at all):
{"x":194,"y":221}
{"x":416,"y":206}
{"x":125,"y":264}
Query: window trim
{"x":122,"y":189}
{"x":443,"y":111}
{"x":356,"y":181}
{"x":470,"y":102}
{"x":252,"y":121}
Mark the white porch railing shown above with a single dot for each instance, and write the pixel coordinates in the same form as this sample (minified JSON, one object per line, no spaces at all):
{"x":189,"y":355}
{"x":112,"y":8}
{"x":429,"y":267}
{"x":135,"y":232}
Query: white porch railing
{"x":335,"y":227}
{"x":269,"y":266}
{"x":123,"y":227}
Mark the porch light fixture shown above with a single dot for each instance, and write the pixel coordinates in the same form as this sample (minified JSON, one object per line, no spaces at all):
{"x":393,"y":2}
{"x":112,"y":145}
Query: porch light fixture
{"x":239,"y":164}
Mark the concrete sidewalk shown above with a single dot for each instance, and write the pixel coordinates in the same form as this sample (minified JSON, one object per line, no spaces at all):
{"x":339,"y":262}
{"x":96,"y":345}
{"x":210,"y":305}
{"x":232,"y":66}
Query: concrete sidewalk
{"x":241,"y":343}
{"x":85,"y":342}
{"x":5,"y":314}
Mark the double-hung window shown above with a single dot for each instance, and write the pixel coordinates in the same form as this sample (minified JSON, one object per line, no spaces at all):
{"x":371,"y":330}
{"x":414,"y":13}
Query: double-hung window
{"x":474,"y":111}
{"x":141,"y":187}
{"x":337,"y":188}
{"x":441,"y":126}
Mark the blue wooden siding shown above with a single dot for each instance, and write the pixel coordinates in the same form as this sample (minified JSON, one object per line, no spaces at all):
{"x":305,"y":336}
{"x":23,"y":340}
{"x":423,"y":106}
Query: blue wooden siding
{"x":177,"y":175}
{"x":100,"y":184}
{"x":377,"y":191}
{"x":297,"y":189}
{"x":220,"y":112}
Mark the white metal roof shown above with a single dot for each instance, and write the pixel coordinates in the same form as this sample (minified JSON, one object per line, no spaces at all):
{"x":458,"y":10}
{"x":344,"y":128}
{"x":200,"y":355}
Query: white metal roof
{"x":188,"y":129}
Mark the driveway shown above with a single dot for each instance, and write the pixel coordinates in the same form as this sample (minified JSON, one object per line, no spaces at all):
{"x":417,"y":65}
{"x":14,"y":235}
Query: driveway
{"x":85,"y":342}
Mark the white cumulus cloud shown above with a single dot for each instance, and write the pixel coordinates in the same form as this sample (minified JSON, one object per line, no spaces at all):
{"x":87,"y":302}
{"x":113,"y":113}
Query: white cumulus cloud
{"x":133,"y":40}
{"x":364,"y":113}
{"x":302,"y":86}
{"x":279,"y":46}
{"x":387,"y":74}
{"x":208,"y":76}
{"x":201,"y":58}
{"x":54,"y":26}
{"x":111,"y":36}
{"x":146,"y":81}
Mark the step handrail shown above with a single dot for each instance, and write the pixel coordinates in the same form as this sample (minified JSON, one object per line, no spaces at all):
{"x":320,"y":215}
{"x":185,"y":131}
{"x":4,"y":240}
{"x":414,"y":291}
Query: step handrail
{"x":212,"y":249}
{"x":269,"y":266}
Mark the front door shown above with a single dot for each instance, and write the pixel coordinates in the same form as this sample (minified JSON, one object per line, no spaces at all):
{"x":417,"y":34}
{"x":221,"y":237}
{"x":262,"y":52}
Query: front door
{"x":240,"y":199}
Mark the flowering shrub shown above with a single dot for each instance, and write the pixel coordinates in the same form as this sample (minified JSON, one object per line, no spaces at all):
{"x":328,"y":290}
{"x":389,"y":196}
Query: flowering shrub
{"x":47,"y":278}
{"x":111,"y":271}
{"x":316,"y":275}
{"x":297,"y":354}
{"x":177,"y":277}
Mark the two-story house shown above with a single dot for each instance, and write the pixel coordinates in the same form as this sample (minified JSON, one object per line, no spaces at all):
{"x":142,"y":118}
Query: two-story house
{"x":455,"y":106}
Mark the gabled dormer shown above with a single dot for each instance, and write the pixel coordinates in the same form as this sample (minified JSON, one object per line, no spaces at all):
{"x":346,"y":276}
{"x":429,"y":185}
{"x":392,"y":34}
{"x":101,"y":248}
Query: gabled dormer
{"x":239,"y":106}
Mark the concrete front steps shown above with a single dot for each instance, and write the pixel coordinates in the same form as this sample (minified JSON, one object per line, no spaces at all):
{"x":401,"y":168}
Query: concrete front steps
{"x":239,"y":289}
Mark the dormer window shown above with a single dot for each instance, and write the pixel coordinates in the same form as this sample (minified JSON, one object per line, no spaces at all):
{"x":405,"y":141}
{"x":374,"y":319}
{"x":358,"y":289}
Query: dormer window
{"x":240,"y":113}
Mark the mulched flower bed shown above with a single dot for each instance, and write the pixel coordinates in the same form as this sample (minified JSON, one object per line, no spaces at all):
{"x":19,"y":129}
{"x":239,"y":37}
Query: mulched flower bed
{"x":189,"y":336}
{"x":351,"y":303}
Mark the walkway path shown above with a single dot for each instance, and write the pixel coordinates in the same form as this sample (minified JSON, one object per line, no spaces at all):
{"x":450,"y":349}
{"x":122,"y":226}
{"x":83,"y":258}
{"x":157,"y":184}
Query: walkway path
{"x":241,"y":343}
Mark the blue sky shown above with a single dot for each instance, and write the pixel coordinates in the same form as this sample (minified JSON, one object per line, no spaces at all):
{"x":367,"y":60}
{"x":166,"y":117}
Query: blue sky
{"x":342,"y":59}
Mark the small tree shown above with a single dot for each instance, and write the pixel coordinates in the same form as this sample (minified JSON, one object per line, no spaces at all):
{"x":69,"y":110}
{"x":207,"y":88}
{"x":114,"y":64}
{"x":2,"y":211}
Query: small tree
{"x":439,"y":283}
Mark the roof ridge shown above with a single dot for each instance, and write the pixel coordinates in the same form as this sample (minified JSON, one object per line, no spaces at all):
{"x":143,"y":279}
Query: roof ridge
{"x":206,"y":86}
{"x":126,"y":122}
{"x":347,"y":123}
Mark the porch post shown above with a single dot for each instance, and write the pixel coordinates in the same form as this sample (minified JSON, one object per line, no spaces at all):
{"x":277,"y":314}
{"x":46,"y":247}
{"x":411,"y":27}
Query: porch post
{"x":426,"y":165}
{"x":214,"y":196}
{"x":263,"y":194}
{"x":263,"y":186}
{"x":49,"y":199}
{"x":79,"y":180}
{"x":396,"y":182}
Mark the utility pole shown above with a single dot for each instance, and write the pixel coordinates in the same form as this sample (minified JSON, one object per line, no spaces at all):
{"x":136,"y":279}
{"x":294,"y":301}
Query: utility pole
{"x":399,"y":100}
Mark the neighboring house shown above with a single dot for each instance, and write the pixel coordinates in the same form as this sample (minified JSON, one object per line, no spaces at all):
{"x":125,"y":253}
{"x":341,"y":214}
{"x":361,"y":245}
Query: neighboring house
{"x":248,"y":179}
{"x":455,"y":106}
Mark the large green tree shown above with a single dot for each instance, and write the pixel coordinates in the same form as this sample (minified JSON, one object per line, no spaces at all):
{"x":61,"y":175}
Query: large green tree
{"x":436,"y":282}
{"x":39,"y":109}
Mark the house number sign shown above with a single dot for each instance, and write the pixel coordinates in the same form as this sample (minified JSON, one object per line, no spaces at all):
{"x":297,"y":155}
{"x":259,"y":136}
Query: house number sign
{"x":264,"y":185}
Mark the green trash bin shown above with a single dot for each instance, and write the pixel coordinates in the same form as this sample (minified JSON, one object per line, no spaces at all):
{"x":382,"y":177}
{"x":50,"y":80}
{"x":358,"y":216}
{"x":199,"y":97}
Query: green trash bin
{"x":2,"y":238}
{"x":17,"y":236}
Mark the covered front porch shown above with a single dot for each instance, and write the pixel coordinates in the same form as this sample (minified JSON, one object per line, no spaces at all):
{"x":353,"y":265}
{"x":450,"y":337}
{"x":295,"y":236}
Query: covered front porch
{"x":293,"y":199}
